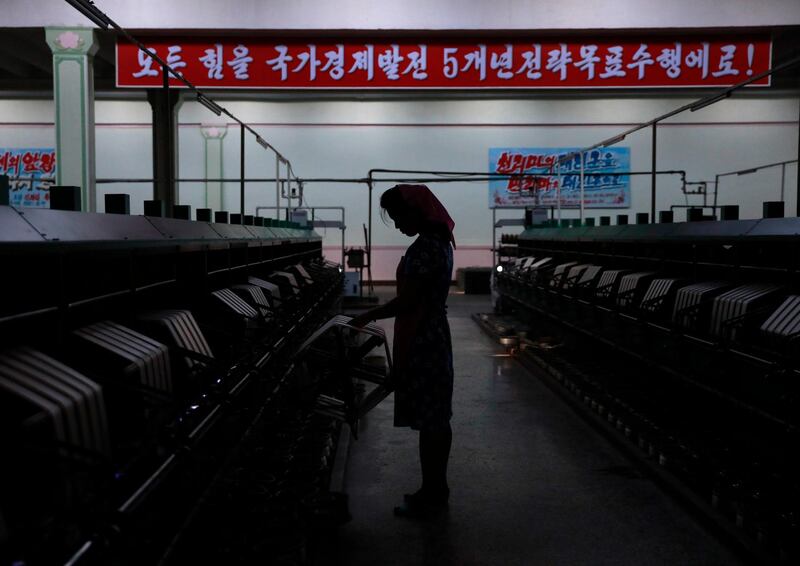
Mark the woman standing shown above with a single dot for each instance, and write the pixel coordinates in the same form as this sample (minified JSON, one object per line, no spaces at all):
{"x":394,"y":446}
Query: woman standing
{"x":422,"y":350}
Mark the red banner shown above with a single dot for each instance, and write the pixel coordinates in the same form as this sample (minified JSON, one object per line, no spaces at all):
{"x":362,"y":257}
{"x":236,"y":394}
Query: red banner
{"x":608,"y":63}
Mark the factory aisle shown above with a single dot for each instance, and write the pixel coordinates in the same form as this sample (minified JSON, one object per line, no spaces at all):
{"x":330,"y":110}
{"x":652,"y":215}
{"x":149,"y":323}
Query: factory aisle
{"x":530,"y":482}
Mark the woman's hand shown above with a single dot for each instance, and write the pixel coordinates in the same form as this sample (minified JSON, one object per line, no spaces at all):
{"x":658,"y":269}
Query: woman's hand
{"x":361,"y":320}
{"x":387,"y":310}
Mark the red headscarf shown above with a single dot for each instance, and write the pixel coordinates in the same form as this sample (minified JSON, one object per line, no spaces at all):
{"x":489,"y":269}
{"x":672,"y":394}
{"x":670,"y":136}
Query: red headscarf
{"x":433,"y":211}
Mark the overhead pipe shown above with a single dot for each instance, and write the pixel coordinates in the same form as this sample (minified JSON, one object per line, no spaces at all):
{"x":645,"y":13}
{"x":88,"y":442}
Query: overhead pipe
{"x":469,"y":177}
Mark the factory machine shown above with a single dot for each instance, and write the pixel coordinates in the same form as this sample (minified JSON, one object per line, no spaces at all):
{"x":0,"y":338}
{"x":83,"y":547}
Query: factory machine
{"x":152,"y":409}
{"x":680,"y":341}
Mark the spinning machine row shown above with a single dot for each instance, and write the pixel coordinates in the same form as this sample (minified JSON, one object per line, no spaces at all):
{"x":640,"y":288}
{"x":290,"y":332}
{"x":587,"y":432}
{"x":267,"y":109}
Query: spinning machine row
{"x":682,"y":338}
{"x":151,"y":406}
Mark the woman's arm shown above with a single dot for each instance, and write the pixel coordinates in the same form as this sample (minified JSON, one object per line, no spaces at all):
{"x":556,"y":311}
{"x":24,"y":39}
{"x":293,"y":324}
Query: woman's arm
{"x":410,"y":298}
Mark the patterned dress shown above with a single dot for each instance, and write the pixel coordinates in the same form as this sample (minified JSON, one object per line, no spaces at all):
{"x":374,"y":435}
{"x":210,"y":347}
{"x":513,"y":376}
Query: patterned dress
{"x":422,"y":350}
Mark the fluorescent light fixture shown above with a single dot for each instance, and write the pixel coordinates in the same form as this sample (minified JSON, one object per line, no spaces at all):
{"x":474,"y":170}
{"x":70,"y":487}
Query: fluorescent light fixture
{"x":708,"y":101}
{"x":210,"y":104}
{"x":747,"y":171}
{"x":88,"y":9}
{"x":612,"y":141}
{"x":262,"y":143}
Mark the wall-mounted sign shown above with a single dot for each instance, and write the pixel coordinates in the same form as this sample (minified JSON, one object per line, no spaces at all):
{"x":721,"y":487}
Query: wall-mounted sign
{"x":629,"y":62}
{"x":26,"y":167}
{"x":535,"y":182}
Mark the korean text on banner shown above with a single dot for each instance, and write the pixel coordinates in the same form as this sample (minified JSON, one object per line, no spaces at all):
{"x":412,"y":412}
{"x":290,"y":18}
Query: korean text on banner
{"x":30,"y":171}
{"x":603,"y":62}
{"x":534,"y":181}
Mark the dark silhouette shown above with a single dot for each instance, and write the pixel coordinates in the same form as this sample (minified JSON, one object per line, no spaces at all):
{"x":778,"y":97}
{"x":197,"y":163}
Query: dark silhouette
{"x":422,"y":349}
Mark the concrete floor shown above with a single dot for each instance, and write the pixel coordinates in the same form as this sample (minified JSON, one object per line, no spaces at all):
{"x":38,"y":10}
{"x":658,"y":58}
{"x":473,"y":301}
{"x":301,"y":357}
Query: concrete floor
{"x":530,"y":482}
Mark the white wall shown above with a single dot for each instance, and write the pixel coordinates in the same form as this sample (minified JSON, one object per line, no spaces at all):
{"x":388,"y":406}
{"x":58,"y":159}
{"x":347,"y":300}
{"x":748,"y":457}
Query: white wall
{"x":123,"y":141}
{"x":412,"y":14}
{"x":347,"y":138}
{"x":344,"y":139}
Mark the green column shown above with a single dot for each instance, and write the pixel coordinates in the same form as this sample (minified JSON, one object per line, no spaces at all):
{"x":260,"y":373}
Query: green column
{"x":73,"y":89}
{"x":213,"y":135}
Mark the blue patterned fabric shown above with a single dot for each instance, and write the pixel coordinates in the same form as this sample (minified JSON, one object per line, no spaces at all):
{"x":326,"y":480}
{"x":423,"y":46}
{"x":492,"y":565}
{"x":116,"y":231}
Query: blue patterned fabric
{"x":424,"y":391}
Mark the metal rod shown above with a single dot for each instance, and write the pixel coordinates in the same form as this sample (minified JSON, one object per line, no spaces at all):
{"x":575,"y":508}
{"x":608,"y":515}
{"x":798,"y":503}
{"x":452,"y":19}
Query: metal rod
{"x":783,"y":181}
{"x":202,"y":427}
{"x":148,"y":485}
{"x":285,"y":186}
{"x":704,"y":191}
{"x":97,"y":298}
{"x":78,"y":556}
{"x":713,"y":207}
{"x":797,"y":204}
{"x":241,"y":172}
{"x":360,"y":180}
{"x":164,"y":186}
{"x":558,"y":189}
{"x":758,"y":168}
{"x":494,"y":237}
{"x":19,"y":316}
{"x":653,"y":178}
{"x":154,"y":285}
{"x":369,"y":233}
{"x":583,"y":156}
{"x":277,"y":187}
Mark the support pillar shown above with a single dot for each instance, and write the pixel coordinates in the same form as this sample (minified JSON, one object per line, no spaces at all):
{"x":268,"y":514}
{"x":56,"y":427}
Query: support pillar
{"x":73,"y":91}
{"x":213,"y":136}
{"x":165,"y":104}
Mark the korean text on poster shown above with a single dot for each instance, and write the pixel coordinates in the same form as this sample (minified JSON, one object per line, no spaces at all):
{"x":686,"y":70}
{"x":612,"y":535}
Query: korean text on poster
{"x":590,"y":62}
{"x":534,"y":181}
{"x":30,"y":171}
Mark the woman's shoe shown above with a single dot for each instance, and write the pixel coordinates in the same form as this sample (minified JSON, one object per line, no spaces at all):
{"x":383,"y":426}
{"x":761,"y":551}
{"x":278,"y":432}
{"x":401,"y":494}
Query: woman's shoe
{"x":419,"y":510}
{"x":423,"y":504}
{"x":427,"y":496}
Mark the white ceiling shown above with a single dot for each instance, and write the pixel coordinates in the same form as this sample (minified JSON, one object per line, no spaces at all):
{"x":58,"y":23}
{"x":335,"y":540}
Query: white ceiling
{"x":412,"y":14}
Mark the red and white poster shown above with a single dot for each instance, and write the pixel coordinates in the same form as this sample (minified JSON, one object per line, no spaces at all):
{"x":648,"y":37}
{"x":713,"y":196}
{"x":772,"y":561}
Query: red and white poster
{"x":31,"y":172}
{"x":586,"y":63}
